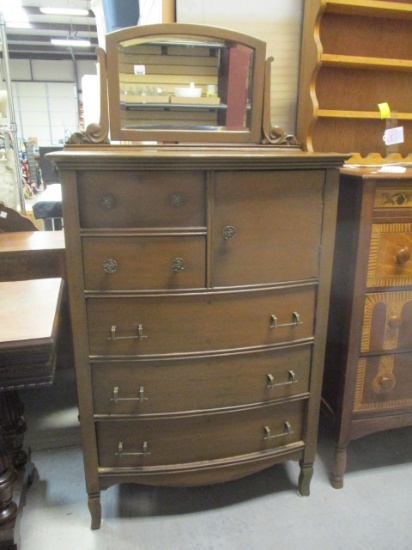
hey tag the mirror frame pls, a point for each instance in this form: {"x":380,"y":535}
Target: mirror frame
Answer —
{"x":110,"y":72}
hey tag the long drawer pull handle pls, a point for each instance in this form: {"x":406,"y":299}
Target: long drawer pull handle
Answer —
{"x":116,"y":397}
{"x":138,"y":336}
{"x":291,"y":376}
{"x":287,"y":431}
{"x":296,"y":321}
{"x":145,"y":450}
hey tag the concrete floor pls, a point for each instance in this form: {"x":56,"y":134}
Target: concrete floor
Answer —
{"x":372,"y":511}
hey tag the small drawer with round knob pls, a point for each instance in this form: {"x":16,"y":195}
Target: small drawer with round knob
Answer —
{"x":390,"y":262}
{"x":138,"y":263}
{"x":125,"y":199}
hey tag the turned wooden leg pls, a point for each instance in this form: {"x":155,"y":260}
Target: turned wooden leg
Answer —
{"x":8,"y":508}
{"x":339,"y":466}
{"x":13,"y":426}
{"x":306,"y":473}
{"x":95,"y":510}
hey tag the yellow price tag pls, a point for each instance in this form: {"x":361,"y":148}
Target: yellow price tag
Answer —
{"x":384,"y":110}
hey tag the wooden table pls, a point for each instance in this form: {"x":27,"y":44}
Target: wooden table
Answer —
{"x":32,"y":255}
{"x":39,"y":255}
{"x":29,"y":321}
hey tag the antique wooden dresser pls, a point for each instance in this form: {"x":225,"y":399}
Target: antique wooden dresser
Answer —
{"x":199,"y":280}
{"x":368,"y":374}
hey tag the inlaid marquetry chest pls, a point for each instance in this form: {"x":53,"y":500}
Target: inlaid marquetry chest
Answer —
{"x":368,"y":370}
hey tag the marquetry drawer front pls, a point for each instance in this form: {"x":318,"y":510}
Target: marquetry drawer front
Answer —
{"x":384,"y":382}
{"x":267,"y":226}
{"x":202,"y":384}
{"x":127,"y":263}
{"x":141,"y":199}
{"x":387,"y":323}
{"x":394,"y":198}
{"x":390,"y":262}
{"x":167,"y":441}
{"x":199,"y":322}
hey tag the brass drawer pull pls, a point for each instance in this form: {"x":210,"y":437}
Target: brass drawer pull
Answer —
{"x":145,"y":450}
{"x":178,"y":265}
{"x":291,"y":376}
{"x":229,"y":232}
{"x":110,"y":266}
{"x":296,"y":321}
{"x":138,"y":336}
{"x":403,"y":255}
{"x":116,"y":397}
{"x":287,"y":431}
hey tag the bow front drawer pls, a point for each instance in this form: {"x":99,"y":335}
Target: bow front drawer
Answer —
{"x":134,"y":443}
{"x":154,"y":324}
{"x":151,"y":387}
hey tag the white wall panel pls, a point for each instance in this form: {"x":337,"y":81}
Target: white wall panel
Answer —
{"x":276,"y":22}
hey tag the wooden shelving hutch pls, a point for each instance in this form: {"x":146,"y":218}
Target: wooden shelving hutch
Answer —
{"x":355,"y":55}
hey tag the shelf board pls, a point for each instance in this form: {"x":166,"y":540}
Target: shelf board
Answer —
{"x":173,"y":106}
{"x":373,"y":8}
{"x":361,"y":62}
{"x":329,"y":113}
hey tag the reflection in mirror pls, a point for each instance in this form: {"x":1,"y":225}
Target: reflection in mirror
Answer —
{"x":185,"y":83}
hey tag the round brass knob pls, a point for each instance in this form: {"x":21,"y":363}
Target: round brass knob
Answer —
{"x":107,"y":201}
{"x":178,"y":265}
{"x":176,"y":200}
{"x":395,"y":321}
{"x":110,"y":266}
{"x":229,"y":232}
{"x":403,"y":255}
{"x":384,"y":383}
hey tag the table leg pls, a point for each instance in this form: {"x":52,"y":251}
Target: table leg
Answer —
{"x":14,"y":470}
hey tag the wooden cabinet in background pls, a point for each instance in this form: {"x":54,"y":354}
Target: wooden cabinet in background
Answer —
{"x":355,"y":55}
{"x":199,"y":288}
{"x":368,"y":368}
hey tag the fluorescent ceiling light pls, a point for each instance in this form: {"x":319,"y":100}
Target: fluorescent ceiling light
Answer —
{"x":71,"y":42}
{"x":14,"y":16}
{"x":64,"y":11}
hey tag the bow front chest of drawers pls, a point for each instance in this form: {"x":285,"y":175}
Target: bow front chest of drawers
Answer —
{"x":199,"y":286}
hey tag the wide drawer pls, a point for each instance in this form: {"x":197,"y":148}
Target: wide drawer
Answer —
{"x":155,"y":387}
{"x":384,"y":383}
{"x":266,"y":226}
{"x":149,"y":325}
{"x":387,"y":323}
{"x":127,"y":263}
{"x":390,"y":262}
{"x":198,"y":438}
{"x":115,"y":199}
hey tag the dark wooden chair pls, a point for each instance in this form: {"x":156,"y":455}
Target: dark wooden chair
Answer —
{"x":11,"y":221}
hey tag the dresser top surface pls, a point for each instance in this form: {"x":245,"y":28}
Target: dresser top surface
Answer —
{"x":229,"y":157}
{"x":379,"y":172}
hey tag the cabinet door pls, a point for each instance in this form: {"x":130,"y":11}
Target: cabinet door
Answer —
{"x":267,"y":226}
